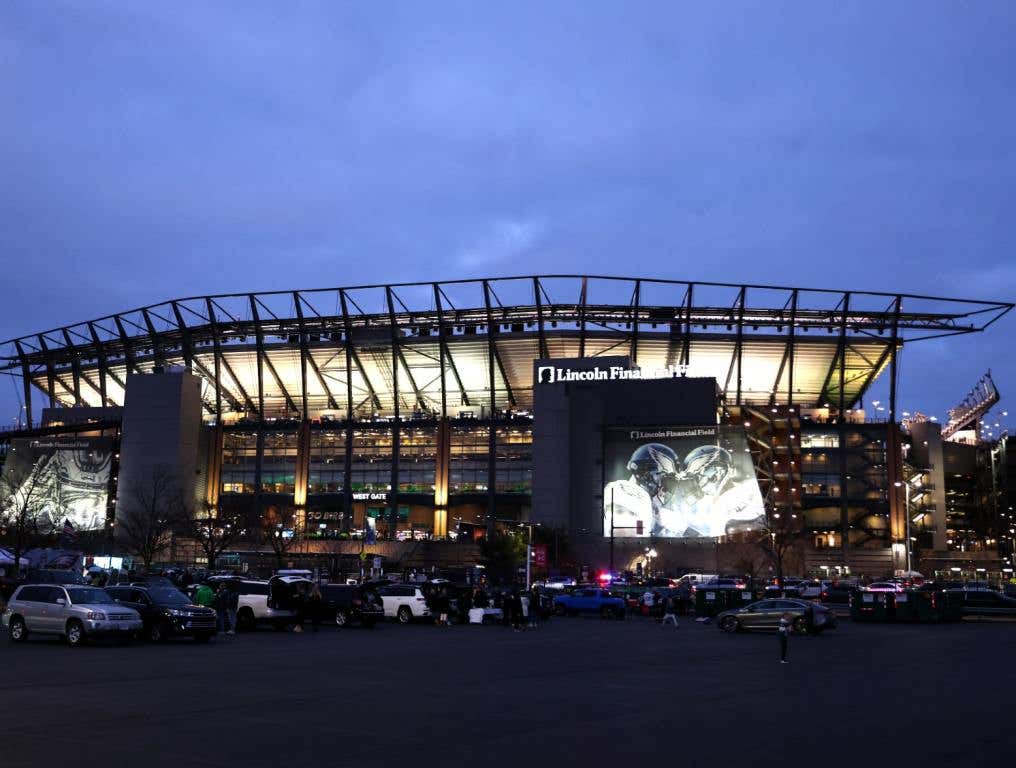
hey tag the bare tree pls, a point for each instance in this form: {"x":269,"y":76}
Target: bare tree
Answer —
{"x":155,"y":514}
{"x":215,"y":529}
{"x":745,"y":555}
{"x":780,"y":541}
{"x":282,"y":528}
{"x":23,"y":501}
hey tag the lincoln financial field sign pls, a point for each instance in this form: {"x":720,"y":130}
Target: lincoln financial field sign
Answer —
{"x":549,"y":374}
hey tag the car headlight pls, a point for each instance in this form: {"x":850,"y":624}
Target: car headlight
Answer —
{"x":96,"y":616}
{"x":173,"y":612}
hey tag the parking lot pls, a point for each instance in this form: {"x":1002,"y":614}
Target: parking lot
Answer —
{"x":600,"y":692}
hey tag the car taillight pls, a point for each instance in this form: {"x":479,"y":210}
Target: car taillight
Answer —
{"x":357,"y":602}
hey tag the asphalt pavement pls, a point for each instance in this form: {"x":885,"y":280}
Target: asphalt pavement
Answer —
{"x":576,"y":691}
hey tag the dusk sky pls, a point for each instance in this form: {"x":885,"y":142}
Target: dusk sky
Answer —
{"x":151,"y":150}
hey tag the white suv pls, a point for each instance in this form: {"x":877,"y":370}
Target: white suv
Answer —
{"x":252,"y":606}
{"x":73,"y":611}
{"x":404,"y":602}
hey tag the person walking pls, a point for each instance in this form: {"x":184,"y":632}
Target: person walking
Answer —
{"x":783,"y":632}
{"x":669,"y":612}
{"x":534,"y":607}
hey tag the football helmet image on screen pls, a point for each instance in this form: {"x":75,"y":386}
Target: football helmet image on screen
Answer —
{"x":680,"y":486}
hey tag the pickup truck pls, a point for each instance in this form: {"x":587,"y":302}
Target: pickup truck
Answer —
{"x":589,"y":600}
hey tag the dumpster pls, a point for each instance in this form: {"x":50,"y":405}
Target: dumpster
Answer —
{"x":871,"y":606}
{"x":709,"y":602}
{"x":948,"y":605}
{"x":904,"y":606}
{"x":923,"y":605}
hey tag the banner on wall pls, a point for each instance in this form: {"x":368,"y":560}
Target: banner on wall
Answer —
{"x":70,"y":476}
{"x":679,"y":482}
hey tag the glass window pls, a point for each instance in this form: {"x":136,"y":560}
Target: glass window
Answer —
{"x":32,"y":594}
{"x":820,"y":440}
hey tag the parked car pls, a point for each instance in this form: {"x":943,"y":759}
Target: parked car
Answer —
{"x":810,"y":589}
{"x":883,"y":586}
{"x":52,"y":576}
{"x":589,"y":600}
{"x":253,"y":606}
{"x":74,"y":612}
{"x":838,"y":593}
{"x":348,"y":603}
{"x":806,"y":617}
{"x":695,"y":578}
{"x":404,"y":602}
{"x":166,"y":611}
{"x":790,"y":588}
{"x":724,"y":582}
{"x":984,"y":602}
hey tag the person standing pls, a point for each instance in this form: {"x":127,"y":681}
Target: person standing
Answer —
{"x":783,"y":632}
{"x":204,"y":595}
{"x":647,"y":602}
{"x":221,"y":605}
{"x":534,"y":606}
{"x":232,"y":604}
{"x":669,"y":612}
{"x":314,"y":601}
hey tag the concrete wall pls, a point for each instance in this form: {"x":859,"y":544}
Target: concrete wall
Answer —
{"x":161,"y":427}
{"x":927,"y":451}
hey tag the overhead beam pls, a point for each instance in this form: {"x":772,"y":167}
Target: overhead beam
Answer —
{"x":541,"y":333}
{"x":446,"y":352}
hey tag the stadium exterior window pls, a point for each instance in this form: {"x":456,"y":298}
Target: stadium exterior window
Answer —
{"x":278,"y":470}
{"x":468,"y":459}
{"x":417,"y":460}
{"x":239,"y":462}
{"x":820,"y":440}
{"x":372,"y":459}
{"x":327,"y":461}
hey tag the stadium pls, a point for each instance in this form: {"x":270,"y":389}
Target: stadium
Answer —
{"x":415,"y":409}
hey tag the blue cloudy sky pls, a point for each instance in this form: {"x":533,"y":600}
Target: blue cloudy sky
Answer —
{"x":156,"y":149}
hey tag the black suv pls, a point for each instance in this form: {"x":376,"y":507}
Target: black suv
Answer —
{"x":166,"y":611}
{"x":346,"y":603}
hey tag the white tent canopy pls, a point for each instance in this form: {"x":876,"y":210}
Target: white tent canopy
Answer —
{"x":7,"y":557}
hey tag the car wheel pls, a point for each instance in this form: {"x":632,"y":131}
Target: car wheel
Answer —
{"x":75,"y":634}
{"x":341,"y":619}
{"x":404,"y":615}
{"x":156,"y":633}
{"x":730,"y":624}
{"x":18,"y":630}
{"x":800,"y":626}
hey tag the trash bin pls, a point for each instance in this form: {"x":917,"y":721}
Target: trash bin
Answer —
{"x":948,"y":605}
{"x":709,"y":602}
{"x":923,"y":606}
{"x":871,"y":606}
{"x":904,"y":606}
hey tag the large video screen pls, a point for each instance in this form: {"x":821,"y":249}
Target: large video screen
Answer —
{"x":679,"y":482}
{"x":70,"y":477}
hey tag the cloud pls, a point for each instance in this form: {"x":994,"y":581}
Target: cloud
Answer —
{"x":504,"y":239}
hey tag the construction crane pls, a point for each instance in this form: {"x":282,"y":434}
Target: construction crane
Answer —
{"x":975,"y":405}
